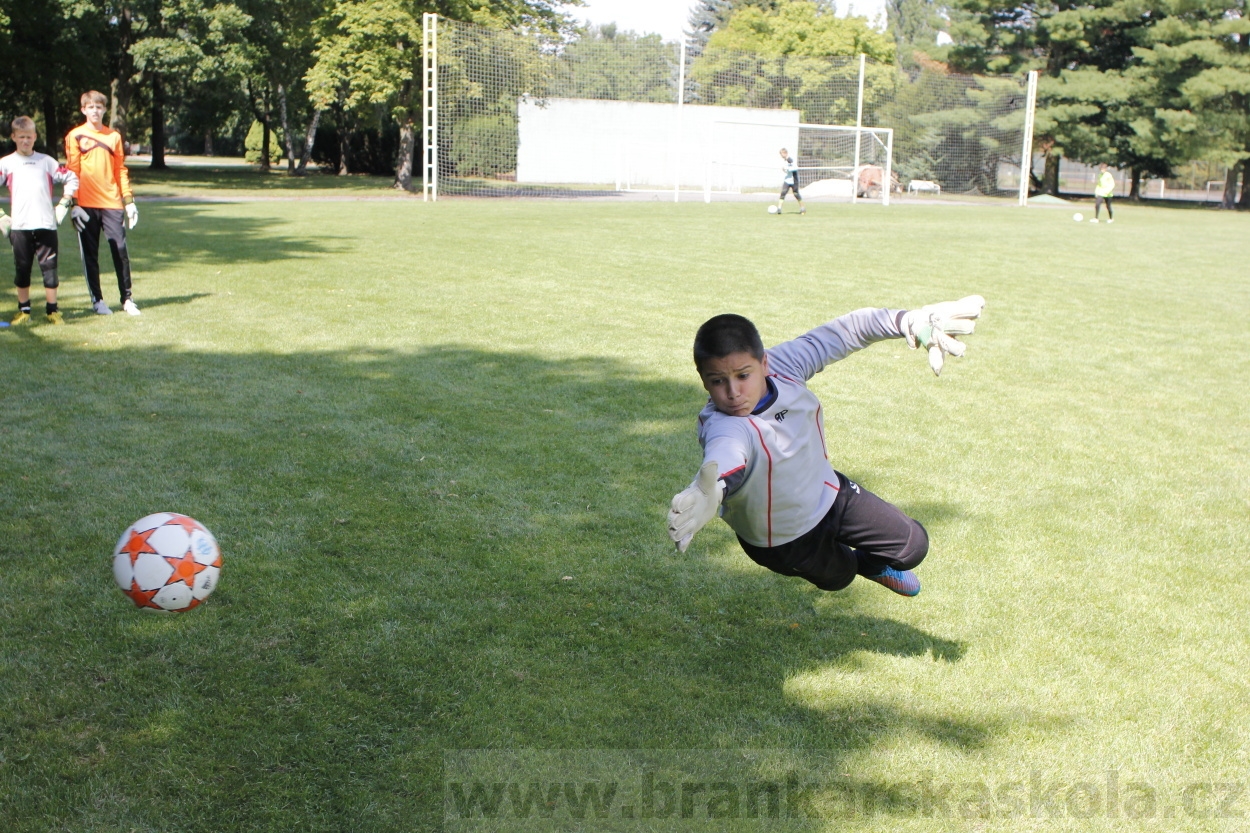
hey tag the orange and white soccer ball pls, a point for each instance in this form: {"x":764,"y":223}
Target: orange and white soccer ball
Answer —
{"x":167,"y":561}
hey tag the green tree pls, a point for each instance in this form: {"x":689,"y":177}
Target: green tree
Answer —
{"x":782,"y":59}
{"x":279,"y":52}
{"x":708,"y":16}
{"x":801,"y":28}
{"x":956,"y":130}
{"x":605,"y":63}
{"x":186,"y":48}
{"x":1103,"y":95}
{"x":1194,"y":80}
{"x":914,"y":25}
{"x":368,"y":56}
{"x":51,"y":51}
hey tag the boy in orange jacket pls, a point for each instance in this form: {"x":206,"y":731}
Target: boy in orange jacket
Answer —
{"x":97,"y":155}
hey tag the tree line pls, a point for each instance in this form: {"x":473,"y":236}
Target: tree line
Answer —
{"x":1144,"y":85}
{"x":195,"y":75}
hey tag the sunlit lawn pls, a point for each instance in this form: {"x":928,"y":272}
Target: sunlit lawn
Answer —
{"x":437,"y":442}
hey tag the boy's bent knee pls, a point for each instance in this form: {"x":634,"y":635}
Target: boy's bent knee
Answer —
{"x":917,"y":546}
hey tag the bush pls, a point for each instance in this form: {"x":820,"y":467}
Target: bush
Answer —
{"x":255,"y":138}
{"x":485,"y":146}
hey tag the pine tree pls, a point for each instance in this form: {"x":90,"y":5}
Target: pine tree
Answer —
{"x":1194,"y":81}
{"x":1088,"y":108}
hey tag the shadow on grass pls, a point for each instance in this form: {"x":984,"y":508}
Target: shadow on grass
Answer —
{"x":189,"y":233}
{"x":444,"y":549}
{"x":174,"y":300}
{"x":233,"y":178}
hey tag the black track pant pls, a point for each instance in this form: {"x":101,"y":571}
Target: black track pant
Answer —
{"x":112,"y":222}
{"x":861,"y":534}
{"x":31,"y":247}
{"x":1099,"y":202}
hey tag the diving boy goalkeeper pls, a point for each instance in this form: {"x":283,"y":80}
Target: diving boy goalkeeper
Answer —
{"x":765,"y":466}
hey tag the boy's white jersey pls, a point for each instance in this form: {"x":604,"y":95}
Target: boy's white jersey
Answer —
{"x":30,"y":180}
{"x":792,"y":171}
{"x":775,"y":463}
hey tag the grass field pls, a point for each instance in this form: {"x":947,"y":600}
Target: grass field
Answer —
{"x":437,"y":443}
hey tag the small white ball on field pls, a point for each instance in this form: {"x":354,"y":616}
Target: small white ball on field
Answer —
{"x":1078,"y":216}
{"x":772,"y":209}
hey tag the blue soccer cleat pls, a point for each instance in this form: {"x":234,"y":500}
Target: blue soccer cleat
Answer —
{"x":902,"y":582}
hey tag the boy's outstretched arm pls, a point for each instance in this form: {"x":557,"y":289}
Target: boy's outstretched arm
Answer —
{"x":933,"y":327}
{"x":695,"y":506}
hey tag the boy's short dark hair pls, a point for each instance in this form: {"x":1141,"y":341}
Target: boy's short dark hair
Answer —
{"x":725,"y":334}
{"x":22,"y":123}
{"x":92,"y":97}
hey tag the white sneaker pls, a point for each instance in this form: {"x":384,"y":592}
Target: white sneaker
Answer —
{"x":101,"y":308}
{"x":130,"y":307}
{"x":1110,"y":221}
{"x":1094,"y":220}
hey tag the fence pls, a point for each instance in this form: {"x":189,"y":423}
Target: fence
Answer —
{"x":509,"y":114}
{"x":1196,"y":182}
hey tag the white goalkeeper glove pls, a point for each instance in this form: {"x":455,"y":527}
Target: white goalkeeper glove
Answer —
{"x":6,"y":224}
{"x":933,"y":326}
{"x":132,"y":214}
{"x":62,"y":211}
{"x":694,"y":507}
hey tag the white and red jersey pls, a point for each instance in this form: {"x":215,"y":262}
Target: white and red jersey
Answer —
{"x":774,"y":462}
{"x":30,"y":180}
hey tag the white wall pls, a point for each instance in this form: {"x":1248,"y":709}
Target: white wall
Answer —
{"x":641,"y":145}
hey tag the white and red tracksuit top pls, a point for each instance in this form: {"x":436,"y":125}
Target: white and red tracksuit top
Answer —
{"x":774,"y":462}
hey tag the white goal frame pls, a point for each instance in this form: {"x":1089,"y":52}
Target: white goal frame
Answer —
{"x":722,"y":175}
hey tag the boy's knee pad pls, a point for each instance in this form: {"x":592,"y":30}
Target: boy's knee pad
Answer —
{"x":50,"y":280}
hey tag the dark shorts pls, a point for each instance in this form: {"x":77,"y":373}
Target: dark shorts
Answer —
{"x":787,"y":186}
{"x":34,"y":246}
{"x":859,"y":535}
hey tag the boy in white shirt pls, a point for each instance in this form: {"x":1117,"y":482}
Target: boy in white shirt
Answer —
{"x":765,"y":466}
{"x":31,"y":230}
{"x":790,"y":182}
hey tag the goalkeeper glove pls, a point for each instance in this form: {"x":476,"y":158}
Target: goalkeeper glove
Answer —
{"x":694,"y":507}
{"x":62,"y":210}
{"x":933,"y":326}
{"x":132,"y":214}
{"x":6,"y":223}
{"x":80,"y":217}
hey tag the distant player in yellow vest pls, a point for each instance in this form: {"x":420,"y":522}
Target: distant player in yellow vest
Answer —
{"x":1103,"y":189}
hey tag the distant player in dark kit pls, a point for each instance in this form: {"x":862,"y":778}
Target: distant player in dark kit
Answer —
{"x":766,"y":468}
{"x":106,"y":203}
{"x":30,"y":177}
{"x":790,"y":182}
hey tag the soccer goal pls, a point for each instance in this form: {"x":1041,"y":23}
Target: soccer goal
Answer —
{"x":841,"y":161}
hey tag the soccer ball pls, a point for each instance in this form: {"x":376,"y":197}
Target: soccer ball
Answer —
{"x":167,"y":561}
{"x":772,"y":209}
{"x":1078,"y":216}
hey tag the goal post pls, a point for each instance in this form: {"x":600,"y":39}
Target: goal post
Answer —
{"x":833,"y":160}
{"x":511,"y":113}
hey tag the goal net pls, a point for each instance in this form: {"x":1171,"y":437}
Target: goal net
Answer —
{"x":836,"y":161}
{"x":511,"y":114}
